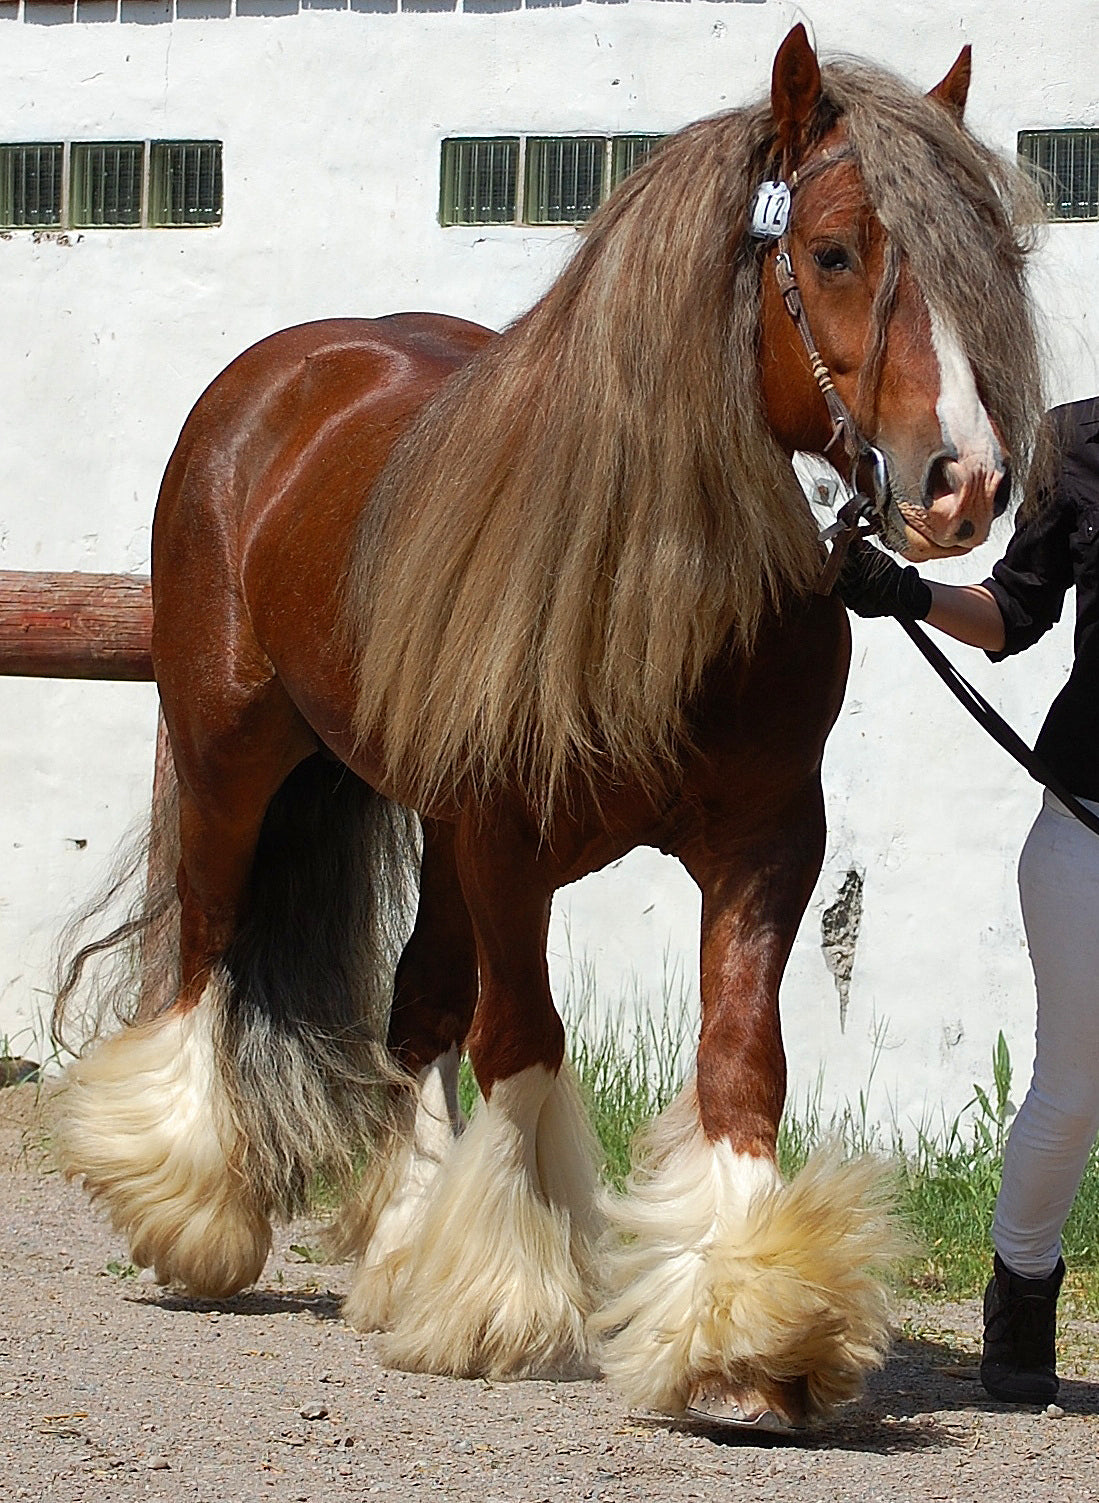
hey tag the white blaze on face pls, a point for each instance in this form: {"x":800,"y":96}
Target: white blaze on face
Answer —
{"x":963,"y":421}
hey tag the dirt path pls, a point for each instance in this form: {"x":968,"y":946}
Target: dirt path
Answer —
{"x":112,"y":1389}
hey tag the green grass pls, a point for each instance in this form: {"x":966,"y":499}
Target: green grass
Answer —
{"x":948,"y":1185}
{"x":947,"y":1178}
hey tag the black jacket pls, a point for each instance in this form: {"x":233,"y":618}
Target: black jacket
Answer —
{"x":1056,"y":549}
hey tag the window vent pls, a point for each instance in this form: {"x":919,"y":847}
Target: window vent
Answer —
{"x":534,"y":179}
{"x":110,"y":184}
{"x":564,"y":178}
{"x":479,"y":180}
{"x":30,"y":186}
{"x":1065,"y":164}
{"x":185,"y":183}
{"x":106,"y":184}
{"x":629,"y":152}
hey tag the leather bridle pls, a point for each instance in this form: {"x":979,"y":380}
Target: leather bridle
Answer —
{"x":871,"y":508}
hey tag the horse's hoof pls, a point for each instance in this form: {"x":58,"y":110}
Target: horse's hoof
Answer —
{"x":779,"y":1410}
{"x":731,"y":1414}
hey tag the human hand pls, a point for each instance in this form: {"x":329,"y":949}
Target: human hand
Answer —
{"x":871,"y":583}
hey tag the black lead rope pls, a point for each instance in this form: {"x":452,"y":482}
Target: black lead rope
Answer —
{"x":995,"y":724}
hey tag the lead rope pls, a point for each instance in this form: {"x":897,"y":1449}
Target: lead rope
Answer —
{"x":993,"y":722}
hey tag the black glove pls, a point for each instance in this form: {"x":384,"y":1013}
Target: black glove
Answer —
{"x":871,"y":583}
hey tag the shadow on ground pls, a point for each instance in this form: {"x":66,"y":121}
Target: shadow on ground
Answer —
{"x":908,"y":1407}
{"x":321,"y":1304}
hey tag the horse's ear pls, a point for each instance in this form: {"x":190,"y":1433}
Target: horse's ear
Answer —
{"x":953,"y":91}
{"x":795,"y":88}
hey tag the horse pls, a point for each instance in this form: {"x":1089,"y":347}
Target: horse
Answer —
{"x":453,"y":618}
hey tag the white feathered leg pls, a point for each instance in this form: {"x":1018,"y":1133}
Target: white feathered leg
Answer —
{"x":380,"y":1226}
{"x":724,"y":1281}
{"x":142,"y":1120}
{"x":500,"y":1267}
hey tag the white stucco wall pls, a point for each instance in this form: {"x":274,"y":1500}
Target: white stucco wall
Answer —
{"x":331,"y":118}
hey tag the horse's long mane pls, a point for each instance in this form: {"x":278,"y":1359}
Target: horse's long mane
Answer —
{"x":594,"y":508}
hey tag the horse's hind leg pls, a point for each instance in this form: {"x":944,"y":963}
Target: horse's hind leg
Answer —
{"x":737,"y":1297}
{"x":435,"y":992}
{"x":147,"y":1119}
{"x":498,"y":1282}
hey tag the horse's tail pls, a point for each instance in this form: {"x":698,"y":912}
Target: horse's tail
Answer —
{"x":131,"y":972}
{"x":194,"y":1125}
{"x":303,"y":994}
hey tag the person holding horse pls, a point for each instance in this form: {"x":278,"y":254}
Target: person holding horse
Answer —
{"x":1055,"y":546}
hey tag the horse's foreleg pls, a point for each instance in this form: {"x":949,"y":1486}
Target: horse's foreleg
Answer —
{"x":499,"y":1280}
{"x":735,"y":1296}
{"x":435,"y":992}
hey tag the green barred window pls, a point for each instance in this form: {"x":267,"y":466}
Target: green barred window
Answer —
{"x":185,"y":183}
{"x":534,"y":179}
{"x":479,"y":180}
{"x":110,"y":184}
{"x":628,"y":153}
{"x":106,"y":184}
{"x":1065,"y":164}
{"x":30,"y":185}
{"x":565,"y":178}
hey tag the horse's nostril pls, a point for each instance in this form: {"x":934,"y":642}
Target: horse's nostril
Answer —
{"x":936,"y":481}
{"x":965,"y":531}
{"x":1003,"y":493}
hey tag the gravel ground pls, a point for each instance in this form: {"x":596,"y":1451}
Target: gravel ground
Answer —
{"x":113,"y":1389}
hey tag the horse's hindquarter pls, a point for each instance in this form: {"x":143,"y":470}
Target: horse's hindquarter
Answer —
{"x":261,"y":499}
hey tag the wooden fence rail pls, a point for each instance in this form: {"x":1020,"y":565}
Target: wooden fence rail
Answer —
{"x":95,"y":626}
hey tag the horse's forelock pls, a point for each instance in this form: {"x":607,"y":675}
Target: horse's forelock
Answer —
{"x":965,"y":219}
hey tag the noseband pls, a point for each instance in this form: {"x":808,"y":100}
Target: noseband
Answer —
{"x":871,"y":508}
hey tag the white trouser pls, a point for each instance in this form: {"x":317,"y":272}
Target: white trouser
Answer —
{"x":1051,"y":1136}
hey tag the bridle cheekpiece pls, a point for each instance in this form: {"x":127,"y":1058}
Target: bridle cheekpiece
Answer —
{"x":871,"y":508}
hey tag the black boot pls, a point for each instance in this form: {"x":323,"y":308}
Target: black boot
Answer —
{"x":1019,"y":1362}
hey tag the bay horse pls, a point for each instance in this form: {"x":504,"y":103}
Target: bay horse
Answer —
{"x":553,"y":591}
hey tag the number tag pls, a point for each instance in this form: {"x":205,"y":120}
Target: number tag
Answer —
{"x":770,"y":211}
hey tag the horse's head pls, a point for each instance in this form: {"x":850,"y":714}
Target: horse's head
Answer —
{"x":896,"y":360}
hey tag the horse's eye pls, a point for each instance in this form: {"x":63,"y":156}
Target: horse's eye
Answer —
{"x":832,"y":258}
